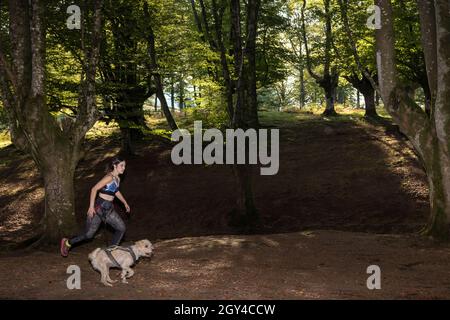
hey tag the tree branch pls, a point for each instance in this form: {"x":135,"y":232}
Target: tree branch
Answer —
{"x":352,"y":45}
{"x":38,"y":45}
{"x":427,"y":16}
{"x":442,"y":111}
{"x":88,"y":113}
{"x":218,"y":13}
{"x":413,"y":121}
{"x":305,"y":41}
{"x":19,"y":25}
{"x":197,"y":20}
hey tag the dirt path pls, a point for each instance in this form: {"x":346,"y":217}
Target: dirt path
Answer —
{"x":307,"y":265}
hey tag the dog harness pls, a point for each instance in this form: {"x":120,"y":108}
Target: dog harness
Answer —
{"x":128,"y":249}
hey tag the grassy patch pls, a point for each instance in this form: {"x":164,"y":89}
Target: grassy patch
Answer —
{"x":5,"y":139}
{"x":185,"y":120}
{"x":101,"y":130}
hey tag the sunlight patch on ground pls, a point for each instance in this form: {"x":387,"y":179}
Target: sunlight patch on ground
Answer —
{"x":22,"y":216}
{"x":4,"y":144}
{"x":185,"y":267}
{"x":194,"y":243}
{"x":5,"y":139}
{"x":11,"y":189}
{"x":309,"y":234}
{"x":101,"y":129}
{"x":398,"y":156}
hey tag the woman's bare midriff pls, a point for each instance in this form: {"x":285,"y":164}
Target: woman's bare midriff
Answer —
{"x":106,"y":197}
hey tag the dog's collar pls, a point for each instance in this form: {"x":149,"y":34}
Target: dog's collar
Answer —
{"x":128,"y":249}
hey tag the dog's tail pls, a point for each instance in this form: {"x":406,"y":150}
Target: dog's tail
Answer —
{"x":93,"y":254}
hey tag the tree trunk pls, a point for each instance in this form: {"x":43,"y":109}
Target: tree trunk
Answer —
{"x":364,"y":86}
{"x":55,"y":148}
{"x":329,"y":86}
{"x":172,"y":94}
{"x":245,"y":115}
{"x":430,"y":136}
{"x":129,"y":114}
{"x":218,"y":13}
{"x":358,"y":100}
{"x":17,"y":138}
{"x":245,"y":217}
{"x":329,"y":109}
{"x":441,"y":109}
{"x":428,"y":105}
{"x":127,"y":144}
{"x":329,"y":80}
{"x":163,"y":101}
{"x":428,"y":39}
{"x":369,"y":100}
{"x":438,"y":223}
{"x":253,"y":7}
{"x":153,"y":66}
{"x":302,"y":88}
{"x":181,"y":94}
{"x":59,"y":200}
{"x":428,"y":98}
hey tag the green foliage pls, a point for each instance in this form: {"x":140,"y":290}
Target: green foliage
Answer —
{"x":271,"y":56}
{"x":362,"y":36}
{"x":185,"y":60}
{"x":211,"y":108}
{"x":63,"y":78}
{"x":410,"y":58}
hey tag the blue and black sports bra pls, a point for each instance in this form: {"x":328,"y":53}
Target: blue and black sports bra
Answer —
{"x":110,"y":188}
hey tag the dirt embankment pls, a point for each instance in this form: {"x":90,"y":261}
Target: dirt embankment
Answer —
{"x":334,"y":175}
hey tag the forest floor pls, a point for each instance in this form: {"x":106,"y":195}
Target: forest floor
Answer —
{"x":349,"y":193}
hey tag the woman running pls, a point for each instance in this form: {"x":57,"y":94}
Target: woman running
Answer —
{"x":102,"y":208}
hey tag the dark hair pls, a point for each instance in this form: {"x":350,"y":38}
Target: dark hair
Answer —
{"x":111,"y":163}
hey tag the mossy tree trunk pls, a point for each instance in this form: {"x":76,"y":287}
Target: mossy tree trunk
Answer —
{"x":429,"y":134}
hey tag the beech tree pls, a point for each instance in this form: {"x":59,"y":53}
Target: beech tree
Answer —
{"x":430,"y":135}
{"x":330,"y":78}
{"x":360,"y":68}
{"x":55,"y":146}
{"x":238,"y":79}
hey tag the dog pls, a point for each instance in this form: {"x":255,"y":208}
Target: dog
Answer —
{"x":119,"y":257}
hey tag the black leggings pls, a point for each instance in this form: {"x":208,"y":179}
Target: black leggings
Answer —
{"x":104,"y":211}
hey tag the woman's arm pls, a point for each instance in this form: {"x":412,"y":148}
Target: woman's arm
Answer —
{"x":106,"y":179}
{"x":121,"y":198}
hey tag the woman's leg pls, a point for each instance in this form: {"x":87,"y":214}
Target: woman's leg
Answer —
{"x":92,"y":225}
{"x":114,"y":220}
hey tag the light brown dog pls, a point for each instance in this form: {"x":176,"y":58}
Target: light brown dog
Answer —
{"x":123,"y":258}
